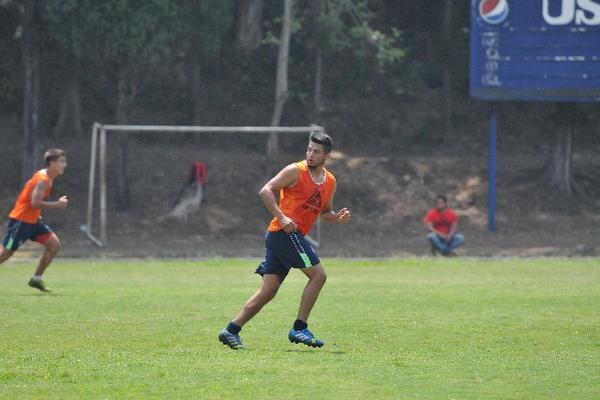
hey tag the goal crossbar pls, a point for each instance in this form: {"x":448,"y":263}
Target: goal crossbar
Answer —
{"x":98,"y":157}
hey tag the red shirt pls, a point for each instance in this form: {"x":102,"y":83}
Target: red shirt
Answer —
{"x":441,"y":220}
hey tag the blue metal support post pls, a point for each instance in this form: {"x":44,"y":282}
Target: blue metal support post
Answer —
{"x":492,"y":161}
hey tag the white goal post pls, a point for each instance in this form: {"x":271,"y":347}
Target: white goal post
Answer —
{"x":98,"y":156}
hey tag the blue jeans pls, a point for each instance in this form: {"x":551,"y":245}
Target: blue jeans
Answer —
{"x":444,"y":247}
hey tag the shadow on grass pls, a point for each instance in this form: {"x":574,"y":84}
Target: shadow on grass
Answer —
{"x":40,"y":294}
{"x":314,"y":351}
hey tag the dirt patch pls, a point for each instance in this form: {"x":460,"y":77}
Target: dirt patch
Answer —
{"x":388,"y":196}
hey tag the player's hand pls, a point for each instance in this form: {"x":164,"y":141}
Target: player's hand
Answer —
{"x":288,"y":225}
{"x":343,"y":216}
{"x":63,"y":202}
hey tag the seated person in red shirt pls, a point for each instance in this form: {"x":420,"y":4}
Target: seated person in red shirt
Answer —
{"x":442,"y":222}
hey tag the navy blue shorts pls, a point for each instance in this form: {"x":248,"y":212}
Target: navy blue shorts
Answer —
{"x":284,"y":251}
{"x":19,"y":232}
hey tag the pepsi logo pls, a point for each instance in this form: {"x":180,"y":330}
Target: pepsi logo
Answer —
{"x":493,"y":11}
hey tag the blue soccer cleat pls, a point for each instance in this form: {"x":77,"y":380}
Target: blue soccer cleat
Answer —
{"x":229,"y":339}
{"x":305,"y":337}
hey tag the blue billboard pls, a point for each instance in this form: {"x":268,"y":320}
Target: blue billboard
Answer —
{"x":538,"y":50}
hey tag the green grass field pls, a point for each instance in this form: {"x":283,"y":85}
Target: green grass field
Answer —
{"x":398,"y":329}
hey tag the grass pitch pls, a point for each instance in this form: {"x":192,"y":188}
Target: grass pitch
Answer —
{"x":398,"y":329}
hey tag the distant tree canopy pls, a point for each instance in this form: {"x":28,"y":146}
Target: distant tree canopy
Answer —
{"x":67,"y":63}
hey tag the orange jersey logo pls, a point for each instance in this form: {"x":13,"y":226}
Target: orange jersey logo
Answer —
{"x":22,"y":210}
{"x":304,"y":201}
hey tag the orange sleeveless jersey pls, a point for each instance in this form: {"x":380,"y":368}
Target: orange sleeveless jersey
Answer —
{"x":304,"y":201}
{"x":22,"y":210}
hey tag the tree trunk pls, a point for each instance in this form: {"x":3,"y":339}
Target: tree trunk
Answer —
{"x":196,"y":90}
{"x":123,"y":109}
{"x":558,"y":170}
{"x":69,"y":118}
{"x":33,"y":136}
{"x":281,"y":83}
{"x":318,"y":38}
{"x":249,"y":18}
{"x":318,"y":97}
{"x":446,"y":76}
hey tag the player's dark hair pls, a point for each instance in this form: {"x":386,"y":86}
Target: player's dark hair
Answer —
{"x":322,"y":139}
{"x":442,"y":197}
{"x":53,"y":155}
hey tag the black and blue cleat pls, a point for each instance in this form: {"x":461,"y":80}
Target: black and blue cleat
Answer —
{"x":305,"y":337}
{"x":229,"y":339}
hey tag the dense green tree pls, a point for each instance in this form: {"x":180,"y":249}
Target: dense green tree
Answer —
{"x":130,"y":38}
{"x":205,"y":28}
{"x":33,"y":133}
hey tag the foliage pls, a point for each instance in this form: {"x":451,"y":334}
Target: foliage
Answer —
{"x":10,"y":77}
{"x":205,"y":26}
{"x":136,"y":30}
{"x":347,"y":24}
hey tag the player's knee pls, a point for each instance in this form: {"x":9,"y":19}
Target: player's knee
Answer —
{"x":269,"y":292}
{"x":319,"y":276}
{"x":53,"y":244}
{"x":431,"y":236}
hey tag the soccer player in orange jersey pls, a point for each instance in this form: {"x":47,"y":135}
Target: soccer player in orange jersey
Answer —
{"x":306,"y":190}
{"x":25,"y":220}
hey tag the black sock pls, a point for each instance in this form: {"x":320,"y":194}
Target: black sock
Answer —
{"x":300,"y":325}
{"x":233,"y":328}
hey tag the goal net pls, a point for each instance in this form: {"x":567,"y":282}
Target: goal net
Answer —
{"x":108,"y":220}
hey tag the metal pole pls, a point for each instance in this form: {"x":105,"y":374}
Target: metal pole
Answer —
{"x":93,"y":151}
{"x":212,"y":129}
{"x":492,"y":161}
{"x":103,"y":235}
{"x":319,"y":232}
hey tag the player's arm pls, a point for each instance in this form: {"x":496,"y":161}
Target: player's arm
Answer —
{"x":37,"y":198}
{"x":285,"y":178}
{"x":452,"y":231}
{"x":432,"y":229}
{"x":329,"y":215}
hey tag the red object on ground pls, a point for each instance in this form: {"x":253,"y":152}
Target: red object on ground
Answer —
{"x":198,"y":173}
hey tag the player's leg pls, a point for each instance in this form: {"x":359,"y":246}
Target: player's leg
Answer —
{"x":266,"y":292}
{"x":51,"y":245}
{"x":268,"y":289}
{"x":299,"y":332}
{"x":5,"y":254}
{"x":304,"y":255}
{"x":273,"y":273}
{"x":316,"y":279}
{"x":11,"y":241}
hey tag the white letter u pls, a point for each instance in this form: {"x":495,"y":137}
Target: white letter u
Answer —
{"x":567,"y":13}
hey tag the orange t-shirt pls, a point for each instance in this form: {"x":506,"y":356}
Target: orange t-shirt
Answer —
{"x":304,"y":201}
{"x":22,"y":210}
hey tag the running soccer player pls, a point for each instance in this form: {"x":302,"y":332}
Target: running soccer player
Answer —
{"x":306,"y":190}
{"x":25,"y":220}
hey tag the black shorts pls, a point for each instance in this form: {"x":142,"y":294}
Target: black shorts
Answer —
{"x":284,"y":251}
{"x":19,"y":232}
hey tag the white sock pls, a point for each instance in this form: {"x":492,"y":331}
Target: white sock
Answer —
{"x":37,"y":278}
